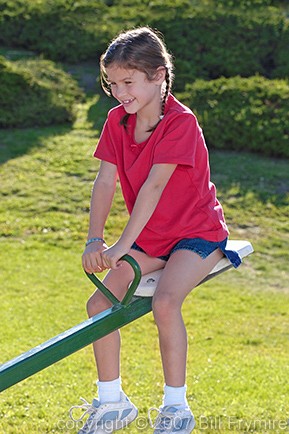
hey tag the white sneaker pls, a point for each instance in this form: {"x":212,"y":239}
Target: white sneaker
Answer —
{"x":173,"y":420}
{"x":105,"y":418}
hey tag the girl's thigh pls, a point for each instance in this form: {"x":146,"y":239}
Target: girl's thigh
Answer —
{"x":118,"y":280}
{"x":184,"y":271}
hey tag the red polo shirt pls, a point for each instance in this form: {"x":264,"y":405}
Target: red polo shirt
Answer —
{"x":188,"y":207}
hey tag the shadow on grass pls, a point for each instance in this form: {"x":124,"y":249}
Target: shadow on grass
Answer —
{"x":242,"y":179}
{"x":87,"y":76}
{"x":17,"y":142}
{"x":98,"y":112}
{"x":245,"y":178}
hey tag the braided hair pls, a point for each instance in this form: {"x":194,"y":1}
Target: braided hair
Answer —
{"x":144,"y":50}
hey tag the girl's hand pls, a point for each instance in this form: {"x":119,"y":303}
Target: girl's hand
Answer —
{"x":112,"y":255}
{"x":92,"y":261}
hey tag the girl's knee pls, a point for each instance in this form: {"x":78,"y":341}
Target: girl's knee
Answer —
{"x":164,"y":306}
{"x":117,"y":281}
{"x":97,"y":303}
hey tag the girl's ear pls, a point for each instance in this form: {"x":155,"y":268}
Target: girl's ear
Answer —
{"x":160,"y":75}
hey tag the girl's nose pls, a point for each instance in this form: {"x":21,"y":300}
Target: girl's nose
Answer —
{"x":119,"y":91}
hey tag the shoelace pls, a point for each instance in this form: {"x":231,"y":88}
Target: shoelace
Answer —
{"x":161,"y":421}
{"x":89,"y":409}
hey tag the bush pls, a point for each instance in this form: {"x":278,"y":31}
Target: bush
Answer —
{"x":35,"y":93}
{"x":242,"y":113}
{"x":244,"y":4}
{"x":213,"y":43}
{"x":208,"y":40}
{"x":282,"y":54}
{"x":61,"y":30}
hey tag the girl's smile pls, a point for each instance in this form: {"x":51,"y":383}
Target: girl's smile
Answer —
{"x":135,"y":92}
{"x":127,"y":102}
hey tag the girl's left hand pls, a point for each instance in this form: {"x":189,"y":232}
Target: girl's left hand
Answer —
{"x":112,"y":255}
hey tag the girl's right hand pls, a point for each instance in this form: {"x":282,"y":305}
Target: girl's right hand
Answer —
{"x":92,"y":259}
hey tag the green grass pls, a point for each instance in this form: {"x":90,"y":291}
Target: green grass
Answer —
{"x":238,"y":326}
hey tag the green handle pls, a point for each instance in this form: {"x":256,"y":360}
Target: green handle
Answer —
{"x":131,"y":290}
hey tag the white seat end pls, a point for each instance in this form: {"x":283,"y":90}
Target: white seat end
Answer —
{"x":150,"y":281}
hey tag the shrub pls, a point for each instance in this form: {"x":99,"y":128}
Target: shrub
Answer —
{"x":242,"y":113}
{"x":244,"y":4}
{"x":282,"y":54}
{"x":61,"y":30}
{"x":35,"y":93}
{"x":209,"y":39}
{"x":216,"y":42}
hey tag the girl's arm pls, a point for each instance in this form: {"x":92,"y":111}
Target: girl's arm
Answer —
{"x":101,"y":199}
{"x":146,"y":202}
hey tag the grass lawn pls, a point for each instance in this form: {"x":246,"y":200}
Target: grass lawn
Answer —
{"x":238,"y":323}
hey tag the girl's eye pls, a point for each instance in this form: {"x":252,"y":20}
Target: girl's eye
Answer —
{"x":128,"y":82}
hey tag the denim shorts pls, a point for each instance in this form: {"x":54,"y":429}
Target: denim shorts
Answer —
{"x":202,"y":247}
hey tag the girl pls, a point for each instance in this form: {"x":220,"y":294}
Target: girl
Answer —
{"x":155,"y":147}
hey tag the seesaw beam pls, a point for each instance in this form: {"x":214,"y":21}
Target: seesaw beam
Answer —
{"x":121,"y":313}
{"x":71,"y":341}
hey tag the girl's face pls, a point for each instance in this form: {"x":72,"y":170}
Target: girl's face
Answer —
{"x":134,"y":91}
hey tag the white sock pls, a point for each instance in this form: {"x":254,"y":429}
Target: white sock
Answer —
{"x":175,"y":396}
{"x":109,"y":391}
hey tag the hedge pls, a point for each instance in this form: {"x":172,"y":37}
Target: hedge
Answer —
{"x":35,"y":93}
{"x":237,"y":113}
{"x":207,"y":41}
{"x":227,"y":43}
{"x":61,"y":30}
{"x":282,"y":54}
{"x":244,"y":4}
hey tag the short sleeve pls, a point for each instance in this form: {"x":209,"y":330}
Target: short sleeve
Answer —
{"x":105,"y":149}
{"x":180,"y":140}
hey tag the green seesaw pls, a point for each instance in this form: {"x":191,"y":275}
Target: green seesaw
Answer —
{"x":136,"y":302}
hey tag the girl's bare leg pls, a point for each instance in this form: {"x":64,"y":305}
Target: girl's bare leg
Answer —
{"x":107,"y":349}
{"x":184,"y":270}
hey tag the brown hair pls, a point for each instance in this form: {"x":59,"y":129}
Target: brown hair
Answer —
{"x":142,"y":49}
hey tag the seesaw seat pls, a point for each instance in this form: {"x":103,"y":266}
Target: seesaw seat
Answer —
{"x":149,"y":282}
{"x":137,"y":302}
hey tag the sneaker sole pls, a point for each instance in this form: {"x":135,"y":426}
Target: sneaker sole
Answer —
{"x":127,"y":420}
{"x":190,"y":428}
